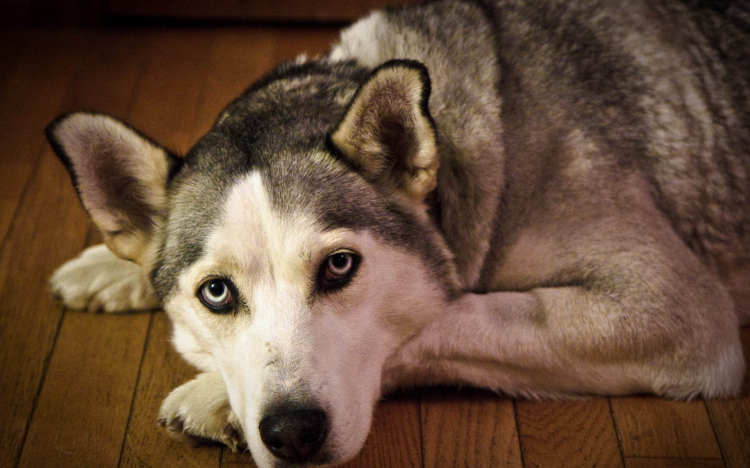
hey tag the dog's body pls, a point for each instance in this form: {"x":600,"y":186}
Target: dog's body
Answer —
{"x":545,"y":198}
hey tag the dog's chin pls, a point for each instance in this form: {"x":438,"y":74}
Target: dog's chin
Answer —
{"x":348,"y":440}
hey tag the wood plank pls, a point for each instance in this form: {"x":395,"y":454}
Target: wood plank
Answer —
{"x":468,"y":428}
{"x":238,"y":58}
{"x":167,"y":107}
{"x":29,"y":318}
{"x":48,"y":217}
{"x":116,"y":65}
{"x":83,"y":408}
{"x":31,"y":92}
{"x":237,"y":460}
{"x":35,"y":86}
{"x":7,"y":210}
{"x":672,"y":463}
{"x":168,"y":102}
{"x":241,"y":460}
{"x":15,"y":45}
{"x":567,"y":434}
{"x":10,"y":53}
{"x":731,"y":418}
{"x":653,"y":427}
{"x":394,"y":438}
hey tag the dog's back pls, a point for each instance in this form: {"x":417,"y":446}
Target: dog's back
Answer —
{"x":589,"y":91}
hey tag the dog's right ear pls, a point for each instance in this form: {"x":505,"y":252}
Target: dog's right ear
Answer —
{"x":120,"y":176}
{"x":387,"y":132}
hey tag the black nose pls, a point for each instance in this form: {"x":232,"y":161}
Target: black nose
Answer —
{"x":294,"y":435}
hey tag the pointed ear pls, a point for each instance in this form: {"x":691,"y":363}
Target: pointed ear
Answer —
{"x":120,"y":176}
{"x":387,"y":133}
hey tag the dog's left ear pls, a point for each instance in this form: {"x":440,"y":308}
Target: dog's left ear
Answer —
{"x":120,"y":176}
{"x":387,"y":133}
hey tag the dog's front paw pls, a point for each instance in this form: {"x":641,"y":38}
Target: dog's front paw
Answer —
{"x":198,"y":412}
{"x":98,"y":280}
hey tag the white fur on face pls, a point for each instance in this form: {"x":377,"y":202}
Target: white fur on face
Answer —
{"x":288,"y":340}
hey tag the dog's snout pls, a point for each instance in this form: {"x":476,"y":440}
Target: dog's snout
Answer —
{"x":294,"y":435}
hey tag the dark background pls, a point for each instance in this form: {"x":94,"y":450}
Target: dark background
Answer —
{"x":110,"y":12}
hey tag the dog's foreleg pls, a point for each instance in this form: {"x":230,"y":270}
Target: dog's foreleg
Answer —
{"x":198,"y":412}
{"x":571,"y":341}
{"x":98,"y":280}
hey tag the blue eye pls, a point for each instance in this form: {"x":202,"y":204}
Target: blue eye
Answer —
{"x":217,"y":294}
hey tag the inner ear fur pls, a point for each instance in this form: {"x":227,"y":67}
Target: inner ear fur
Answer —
{"x":120,"y":176}
{"x":387,"y":134}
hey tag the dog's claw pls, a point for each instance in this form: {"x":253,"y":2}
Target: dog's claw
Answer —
{"x":191,"y":416}
{"x":176,"y":425}
{"x":231,"y":438}
{"x":229,"y":431}
{"x":95,"y":305}
{"x":176,"y":429}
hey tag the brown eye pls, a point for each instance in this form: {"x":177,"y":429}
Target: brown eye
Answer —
{"x":217,"y":294}
{"x":339,"y":265}
{"x":337,"y":270}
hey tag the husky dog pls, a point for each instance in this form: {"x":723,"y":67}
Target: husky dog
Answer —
{"x":546,"y":198}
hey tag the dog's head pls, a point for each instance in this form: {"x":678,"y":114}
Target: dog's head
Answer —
{"x":292,"y":246}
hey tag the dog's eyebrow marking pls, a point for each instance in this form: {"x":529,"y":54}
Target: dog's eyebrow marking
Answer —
{"x":196,"y":206}
{"x":319,"y":185}
{"x":263,"y":245}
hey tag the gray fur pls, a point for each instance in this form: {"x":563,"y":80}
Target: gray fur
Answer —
{"x":573,"y":197}
{"x":665,"y":101}
{"x":638,"y":94}
{"x":644,"y":97}
{"x":307,"y":102}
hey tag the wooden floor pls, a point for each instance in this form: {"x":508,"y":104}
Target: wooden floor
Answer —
{"x":83,"y":390}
